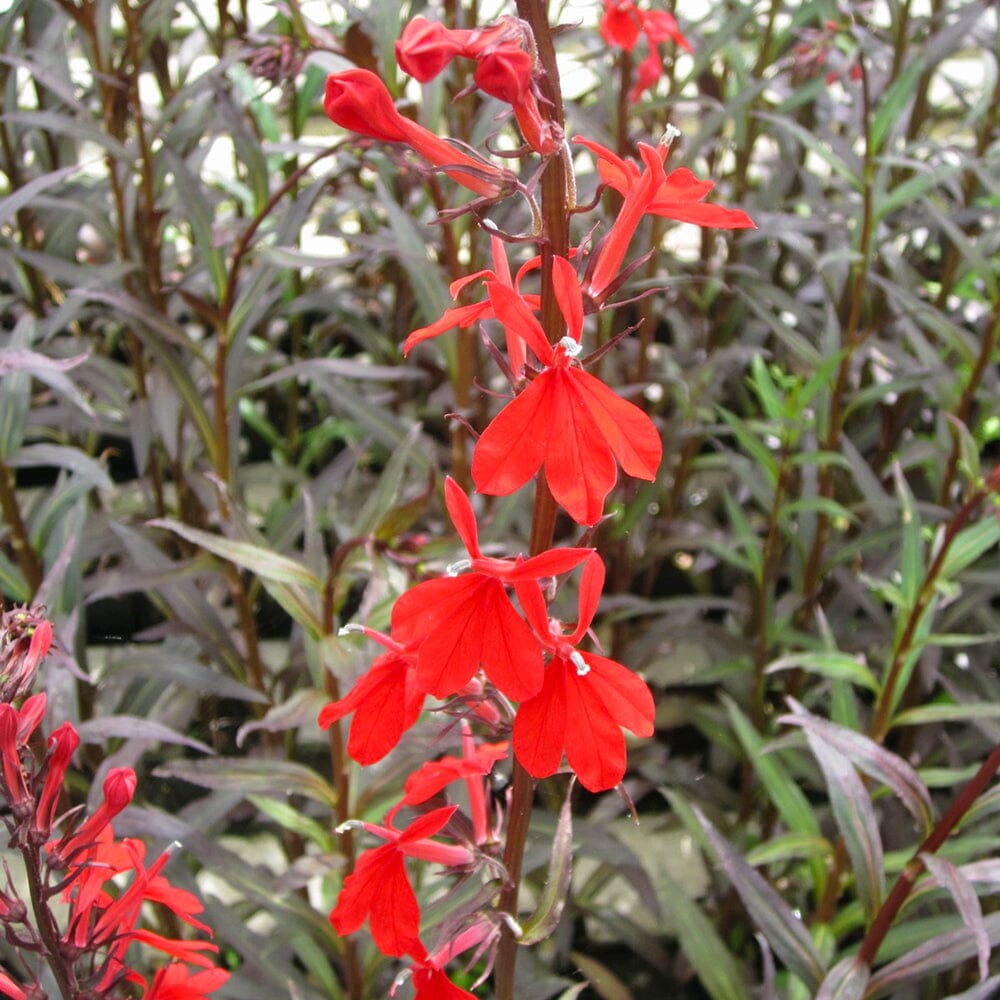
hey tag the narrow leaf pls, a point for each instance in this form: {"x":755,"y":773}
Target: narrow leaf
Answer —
{"x":543,"y":921}
{"x":845,"y":981}
{"x":251,"y":776}
{"x":966,"y":902}
{"x":784,"y":931}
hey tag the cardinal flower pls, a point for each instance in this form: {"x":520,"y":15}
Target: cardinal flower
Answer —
{"x":386,"y":701}
{"x":178,"y":982}
{"x":585,"y":699}
{"x":678,"y":195}
{"x":465,"y":316}
{"x":357,"y":100}
{"x":504,"y":68}
{"x":467,"y":620}
{"x":565,"y":420}
{"x":621,"y":25}
{"x":379,"y":891}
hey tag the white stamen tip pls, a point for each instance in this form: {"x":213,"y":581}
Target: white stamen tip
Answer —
{"x":458,"y":567}
{"x":349,"y":824}
{"x":670,"y":133}
{"x":515,"y":927}
{"x":570,"y":346}
{"x":348,"y":629}
{"x":582,"y":667}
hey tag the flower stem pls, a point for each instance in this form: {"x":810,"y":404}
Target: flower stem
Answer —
{"x":554,"y":240}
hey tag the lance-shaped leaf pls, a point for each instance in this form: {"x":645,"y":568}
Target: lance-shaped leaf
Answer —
{"x":855,"y":817}
{"x":784,"y":931}
{"x":945,"y":951}
{"x":870,"y":758}
{"x":845,"y":981}
{"x":543,"y":921}
{"x":966,"y":902}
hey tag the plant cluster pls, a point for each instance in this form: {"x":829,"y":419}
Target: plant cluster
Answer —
{"x":423,"y":491}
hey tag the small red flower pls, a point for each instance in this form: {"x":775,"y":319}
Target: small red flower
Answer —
{"x":178,"y":982}
{"x":379,"y":891}
{"x":621,"y":25}
{"x":357,"y":100}
{"x":466,"y":621}
{"x":386,"y":701}
{"x":678,"y":195}
{"x":504,"y":68}
{"x":585,"y":699}
{"x":565,"y":420}
{"x":465,"y":316}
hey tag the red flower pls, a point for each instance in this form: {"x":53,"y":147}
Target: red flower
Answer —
{"x":621,"y":24}
{"x":585,"y":699}
{"x":504,"y":69}
{"x":466,"y":621}
{"x":472,"y":766}
{"x":465,"y":316}
{"x":177,"y":982}
{"x":386,"y":701}
{"x":378,"y":890}
{"x":677,"y":195}
{"x":565,"y":419}
{"x":358,"y":100}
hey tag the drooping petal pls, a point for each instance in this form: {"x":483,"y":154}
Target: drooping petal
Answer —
{"x":386,"y":702}
{"x":461,"y":316}
{"x":512,"y":448}
{"x":623,"y":692}
{"x":595,"y":746}
{"x":628,"y":431}
{"x":579,"y":466}
{"x":433,"y":984}
{"x":541,"y":723}
{"x":378,"y":890}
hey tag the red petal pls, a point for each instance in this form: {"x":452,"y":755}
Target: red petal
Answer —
{"x":566,"y":286}
{"x":619,"y":26}
{"x":512,"y":448}
{"x":595,"y":747}
{"x":623,"y":693}
{"x":427,"y":825}
{"x":463,"y":316}
{"x":462,"y":516}
{"x":591,"y":586}
{"x":433,"y":984}
{"x":552,"y":562}
{"x":512,"y":310}
{"x":540,"y":725}
{"x":628,"y":431}
{"x":578,"y":463}
{"x":395,"y":915}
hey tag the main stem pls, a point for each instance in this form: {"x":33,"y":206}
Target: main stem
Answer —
{"x":554,"y":240}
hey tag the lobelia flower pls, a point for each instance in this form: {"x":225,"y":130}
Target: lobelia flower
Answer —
{"x":565,"y":420}
{"x":430,"y":981}
{"x":621,"y":25}
{"x":475,"y":763}
{"x":386,"y":701}
{"x":585,"y":699}
{"x":378,"y":889}
{"x":465,"y":621}
{"x":357,"y":100}
{"x":465,"y":316}
{"x":177,"y":982}
{"x":503,"y":68}
{"x":678,"y":195}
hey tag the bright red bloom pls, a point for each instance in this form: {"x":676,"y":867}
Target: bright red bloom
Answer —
{"x":565,"y":419}
{"x":357,"y":100}
{"x":62,"y":745}
{"x":466,"y":621}
{"x":386,"y":701}
{"x":621,"y":25}
{"x":379,"y":891}
{"x":585,"y":699}
{"x":678,"y":195}
{"x":504,"y":69}
{"x":475,"y":763}
{"x":119,"y":787}
{"x":465,"y":316}
{"x":178,"y":982}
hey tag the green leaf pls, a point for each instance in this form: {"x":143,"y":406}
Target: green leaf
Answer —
{"x":969,"y":544}
{"x":845,"y":981}
{"x":946,"y":712}
{"x":783,"y":930}
{"x":256,"y":776}
{"x":840,"y":666}
{"x":543,"y":921}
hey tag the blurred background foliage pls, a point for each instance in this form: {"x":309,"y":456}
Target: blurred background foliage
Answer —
{"x":212,"y":456}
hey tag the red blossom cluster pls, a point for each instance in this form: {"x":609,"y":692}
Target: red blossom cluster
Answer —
{"x":481,"y":639}
{"x":622,"y":24}
{"x":86,"y":887}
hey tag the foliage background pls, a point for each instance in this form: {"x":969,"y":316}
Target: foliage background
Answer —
{"x":212,"y":456}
